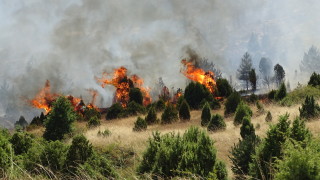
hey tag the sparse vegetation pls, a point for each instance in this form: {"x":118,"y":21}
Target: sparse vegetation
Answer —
{"x":140,"y":124}
{"x":105,"y":133}
{"x":93,"y":122}
{"x":299,"y":94}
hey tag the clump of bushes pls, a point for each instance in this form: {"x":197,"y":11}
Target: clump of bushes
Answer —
{"x":216,"y":123}
{"x":21,"y":142}
{"x":140,"y":124}
{"x":268,"y":117}
{"x":190,"y":155}
{"x":184,"y":111}
{"x":232,"y":103}
{"x":242,"y":111}
{"x":169,"y":115}
{"x":195,"y":93}
{"x":310,"y":108}
{"x":160,"y":105}
{"x":205,"y":115}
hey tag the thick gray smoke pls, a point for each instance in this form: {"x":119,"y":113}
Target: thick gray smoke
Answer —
{"x":70,"y":42}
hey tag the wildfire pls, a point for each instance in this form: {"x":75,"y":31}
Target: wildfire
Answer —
{"x":199,"y":75}
{"x":44,"y":99}
{"x":122,"y":82}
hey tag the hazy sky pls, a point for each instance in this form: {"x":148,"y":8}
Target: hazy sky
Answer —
{"x":70,"y":42}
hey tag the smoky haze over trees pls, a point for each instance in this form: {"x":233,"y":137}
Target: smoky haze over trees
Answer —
{"x":70,"y":42}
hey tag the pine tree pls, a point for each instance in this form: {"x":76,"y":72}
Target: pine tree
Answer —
{"x":205,"y":115}
{"x":151,"y":118}
{"x":247,"y":128}
{"x":184,"y":111}
{"x":245,"y":68}
{"x":216,"y":123}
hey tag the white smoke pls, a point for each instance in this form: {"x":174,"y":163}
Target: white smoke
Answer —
{"x":70,"y":42}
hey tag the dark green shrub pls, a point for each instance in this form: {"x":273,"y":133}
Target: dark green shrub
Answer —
{"x":93,"y":122}
{"x":169,"y":115}
{"x":299,"y":132}
{"x":247,"y":128}
{"x":216,"y":123}
{"x":91,"y":112}
{"x":151,"y":118}
{"x":220,"y":170}
{"x":171,"y":155}
{"x":132,"y":109}
{"x":205,"y":115}
{"x":59,"y":120}
{"x":140,"y":125}
{"x":5,"y":152}
{"x":38,"y":121}
{"x":54,"y":155}
{"x":272,"y":94}
{"x":268,"y":117}
{"x":184,"y":111}
{"x":79,"y":152}
{"x":135,"y":95}
{"x":270,"y":149}
{"x":195,"y":93}
{"x":104,"y":133}
{"x":281,"y":93}
{"x":224,"y":88}
{"x":241,"y":156}
{"x":314,"y":79}
{"x":21,"y":142}
{"x":310,"y":108}
{"x":160,"y":105}
{"x":242,"y":111}
{"x":232,"y":102}
{"x":114,"y":111}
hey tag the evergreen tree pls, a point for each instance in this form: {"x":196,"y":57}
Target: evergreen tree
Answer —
{"x":253,"y":79}
{"x":169,"y":115}
{"x":224,"y":88}
{"x":232,"y":103}
{"x":299,"y":132}
{"x":184,"y":111}
{"x":205,"y":115}
{"x":242,"y":111}
{"x":310,"y":108}
{"x":216,"y":123}
{"x":247,"y":128}
{"x":195,"y":93}
{"x":245,"y":68}
{"x":135,"y":95}
{"x":151,"y":118}
{"x":279,"y":74}
{"x":114,"y":111}
{"x":282,"y":92}
{"x":59,"y":120}
{"x":140,"y":124}
{"x":314,"y":79}
{"x":311,"y":60}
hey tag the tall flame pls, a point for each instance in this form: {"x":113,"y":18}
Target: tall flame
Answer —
{"x":122,"y":82}
{"x":199,"y":75}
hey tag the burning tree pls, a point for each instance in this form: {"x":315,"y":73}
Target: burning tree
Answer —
{"x":44,"y":99}
{"x":123,"y":83}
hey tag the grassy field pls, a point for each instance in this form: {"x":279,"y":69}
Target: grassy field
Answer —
{"x":123,"y":136}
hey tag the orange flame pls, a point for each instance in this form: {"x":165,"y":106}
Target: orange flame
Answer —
{"x":44,"y":99}
{"x":199,"y":75}
{"x":123,"y":83}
